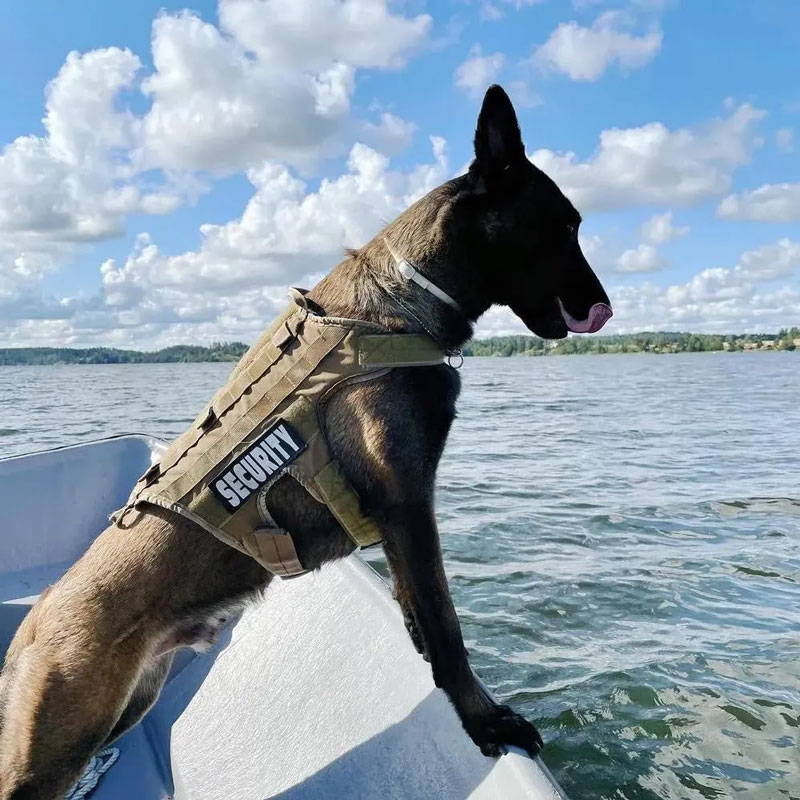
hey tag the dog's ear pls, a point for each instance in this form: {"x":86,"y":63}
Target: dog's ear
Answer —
{"x":498,"y":142}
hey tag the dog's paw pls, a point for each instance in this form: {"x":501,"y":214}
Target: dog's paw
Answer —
{"x":500,"y":726}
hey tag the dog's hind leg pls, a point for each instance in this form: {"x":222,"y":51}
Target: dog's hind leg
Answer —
{"x":60,"y":708}
{"x":144,"y":695}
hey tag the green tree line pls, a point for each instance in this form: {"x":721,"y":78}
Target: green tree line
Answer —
{"x":659,"y":342}
{"x":655,"y":342}
{"x":219,"y":351}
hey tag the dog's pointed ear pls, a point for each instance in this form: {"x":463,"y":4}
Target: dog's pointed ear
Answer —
{"x":498,"y":142}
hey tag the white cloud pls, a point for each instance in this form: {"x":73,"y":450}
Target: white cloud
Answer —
{"x":652,"y":164}
{"x":770,"y":261}
{"x":703,"y":305}
{"x":784,"y":140}
{"x":718,"y":299}
{"x":391,"y":135}
{"x":644,"y":258}
{"x":772,"y":202}
{"x":273,"y":81}
{"x":235,"y":282}
{"x":660,"y":230}
{"x":493,"y":11}
{"x":76,"y":183}
{"x":285,"y":233}
{"x":478,"y":72}
{"x":522,"y":95}
{"x":584,"y":54}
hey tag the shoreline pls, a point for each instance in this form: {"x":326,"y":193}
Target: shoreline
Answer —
{"x":550,"y":354}
{"x":660,"y":343}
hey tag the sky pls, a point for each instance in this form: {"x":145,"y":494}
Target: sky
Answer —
{"x":168,"y":171}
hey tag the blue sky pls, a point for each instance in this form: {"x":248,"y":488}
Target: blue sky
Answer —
{"x":168,"y":180}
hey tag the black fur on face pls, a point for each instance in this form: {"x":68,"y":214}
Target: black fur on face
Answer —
{"x":527,"y":230}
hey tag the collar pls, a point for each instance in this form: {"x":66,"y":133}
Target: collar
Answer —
{"x":409,"y":272}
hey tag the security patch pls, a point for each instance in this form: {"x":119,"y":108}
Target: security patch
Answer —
{"x":270,"y":454}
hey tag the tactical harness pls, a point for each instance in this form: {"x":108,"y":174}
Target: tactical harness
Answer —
{"x":268,"y":421}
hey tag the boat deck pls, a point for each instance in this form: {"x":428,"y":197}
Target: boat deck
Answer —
{"x":315,"y":693}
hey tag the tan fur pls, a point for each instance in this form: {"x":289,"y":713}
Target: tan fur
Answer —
{"x":77,"y":658}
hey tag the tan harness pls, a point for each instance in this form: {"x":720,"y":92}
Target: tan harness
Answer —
{"x":266,"y":422}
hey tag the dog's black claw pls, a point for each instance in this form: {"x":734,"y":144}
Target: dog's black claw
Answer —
{"x":502,"y":726}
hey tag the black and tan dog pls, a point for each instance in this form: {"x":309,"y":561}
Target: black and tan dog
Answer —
{"x":91,"y":656}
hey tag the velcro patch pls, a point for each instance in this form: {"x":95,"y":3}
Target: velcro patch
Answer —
{"x":270,"y":454}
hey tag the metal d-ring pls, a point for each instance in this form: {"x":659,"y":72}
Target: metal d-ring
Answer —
{"x":452,"y":356}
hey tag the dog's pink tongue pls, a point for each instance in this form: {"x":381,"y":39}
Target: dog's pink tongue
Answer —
{"x":599,"y":314}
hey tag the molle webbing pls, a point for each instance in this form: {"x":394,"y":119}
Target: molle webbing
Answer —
{"x":266,"y":422}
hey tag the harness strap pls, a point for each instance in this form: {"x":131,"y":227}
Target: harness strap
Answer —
{"x":274,"y":549}
{"x":398,"y":350}
{"x":289,"y":373}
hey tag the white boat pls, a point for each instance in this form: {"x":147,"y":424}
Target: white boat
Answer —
{"x":254,"y":718}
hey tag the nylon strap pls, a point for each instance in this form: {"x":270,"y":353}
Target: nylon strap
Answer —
{"x":287,"y":374}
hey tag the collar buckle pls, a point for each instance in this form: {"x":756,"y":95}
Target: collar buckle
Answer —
{"x":405,"y":269}
{"x":410,"y":273}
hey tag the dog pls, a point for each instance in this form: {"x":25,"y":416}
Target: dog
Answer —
{"x":92,"y":655}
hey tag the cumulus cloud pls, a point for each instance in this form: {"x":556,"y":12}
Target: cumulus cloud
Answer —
{"x":770,"y":261}
{"x":653,"y":164}
{"x":285,"y":232}
{"x":659,"y":229}
{"x":267,"y":91}
{"x":233,"y":284}
{"x":76,"y":183}
{"x":772,"y":202}
{"x":718,"y":299}
{"x":493,"y":10}
{"x":391,"y":135}
{"x":584,"y":54}
{"x":644,"y":258}
{"x":479,"y":71}
{"x":274,"y":80}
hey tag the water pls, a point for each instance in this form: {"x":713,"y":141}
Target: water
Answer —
{"x":622,"y":538}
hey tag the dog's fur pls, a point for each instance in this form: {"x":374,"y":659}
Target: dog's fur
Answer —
{"x":91,"y":657}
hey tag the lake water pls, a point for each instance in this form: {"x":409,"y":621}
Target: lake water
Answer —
{"x":622,"y":538}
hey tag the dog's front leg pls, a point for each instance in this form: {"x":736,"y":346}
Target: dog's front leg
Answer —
{"x":411,"y":542}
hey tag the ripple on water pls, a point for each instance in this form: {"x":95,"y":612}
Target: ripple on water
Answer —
{"x":622,"y":536}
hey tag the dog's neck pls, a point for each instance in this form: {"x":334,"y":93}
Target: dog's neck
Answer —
{"x":360,"y":288}
{"x":368,"y":286}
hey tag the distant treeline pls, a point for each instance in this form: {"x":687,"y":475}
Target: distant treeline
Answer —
{"x":219,"y":351}
{"x":786,"y":339}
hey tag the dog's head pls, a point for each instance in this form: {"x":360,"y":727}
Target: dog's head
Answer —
{"x":528,"y":232}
